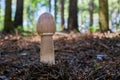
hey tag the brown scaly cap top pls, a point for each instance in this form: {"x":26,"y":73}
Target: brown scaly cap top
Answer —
{"x":46,"y":24}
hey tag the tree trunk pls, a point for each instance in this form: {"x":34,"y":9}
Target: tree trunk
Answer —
{"x":91,"y":12}
{"x":103,"y":15}
{"x":73,"y":18}
{"x":0,"y":6}
{"x":49,"y":5}
{"x":8,"y":20}
{"x":18,"y":21}
{"x":62,"y":14}
{"x":0,"y":10}
{"x":55,"y":9}
{"x":118,"y":6}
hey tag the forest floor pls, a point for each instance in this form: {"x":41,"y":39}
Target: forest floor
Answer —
{"x":78,"y":57}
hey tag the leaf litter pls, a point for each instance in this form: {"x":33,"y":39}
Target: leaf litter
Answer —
{"x":78,"y":56}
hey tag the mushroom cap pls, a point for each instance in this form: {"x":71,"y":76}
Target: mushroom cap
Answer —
{"x":46,"y":24}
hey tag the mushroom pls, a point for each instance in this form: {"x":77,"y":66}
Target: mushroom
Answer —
{"x":46,"y":27}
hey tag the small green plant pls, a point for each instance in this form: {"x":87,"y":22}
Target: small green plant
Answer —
{"x":96,"y":64}
{"x":19,"y":29}
{"x":92,"y":29}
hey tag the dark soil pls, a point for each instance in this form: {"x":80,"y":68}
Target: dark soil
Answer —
{"x":78,"y":57}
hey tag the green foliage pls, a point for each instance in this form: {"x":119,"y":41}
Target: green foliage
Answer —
{"x":1,"y":23}
{"x":97,"y":27}
{"x":33,"y":7}
{"x":96,"y":6}
{"x":94,"y":29}
{"x":19,"y":29}
{"x":96,"y":64}
{"x":1,"y":27}
{"x":113,"y":5}
{"x":26,"y":34}
{"x":83,"y":4}
{"x":22,"y":31}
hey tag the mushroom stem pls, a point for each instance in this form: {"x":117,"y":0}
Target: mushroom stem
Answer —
{"x":47,"y":50}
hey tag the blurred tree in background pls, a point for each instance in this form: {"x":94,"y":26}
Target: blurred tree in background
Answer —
{"x":103,"y":15}
{"x":8,"y":27}
{"x":49,"y":5}
{"x":62,"y":13}
{"x":55,"y":9}
{"x":85,"y":15}
{"x":73,"y":17}
{"x":91,"y":11}
{"x":18,"y":21}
